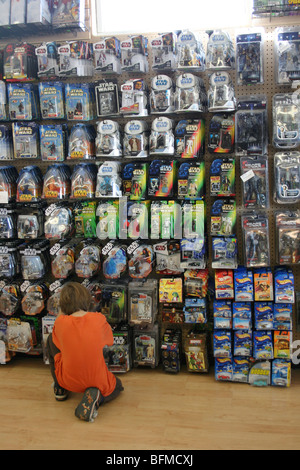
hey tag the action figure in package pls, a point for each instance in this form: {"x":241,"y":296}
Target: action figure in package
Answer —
{"x":134,"y":98}
{"x":134,"y":54}
{"x":8,"y":186}
{"x":107,"y":98}
{"x":57,"y":182}
{"x":82,"y":142}
{"x":22,"y":102}
{"x":80,"y":102}
{"x":53,"y":142}
{"x":3,"y":102}
{"x":220,"y":51}
{"x":255,"y":178}
{"x":34,"y":260}
{"x":190,"y":94}
{"x":8,"y":221}
{"x":191,"y":180}
{"x":30,"y":224}
{"x":162,"y":95}
{"x":189,"y":138}
{"x":9,"y":298}
{"x":107,"y":56}
{"x":83,"y":181}
{"x":251,"y":126}
{"x":256,"y":240}
{"x":107,"y":214}
{"x":34,"y":299}
{"x":108,"y":140}
{"x":249,"y":57}
{"x":134,"y":223}
{"x":161,"y":178}
{"x":135,"y":178}
{"x":287,"y":177}
{"x":19,"y":61}
{"x":76,"y":59}
{"x":288,"y":237}
{"x":62,"y":259}
{"x":222,"y":177}
{"x":221,"y":95}
{"x":221,"y":135}
{"x":286,"y":129}
{"x":84,"y":215}
{"x":191,"y":54}
{"x":115,"y":260}
{"x":29,"y":184}
{"x":68,"y":13}
{"x":166,"y":220}
{"x":223,"y":218}
{"x":88,"y":260}
{"x":161,"y":140}
{"x":164,"y":52}
{"x":168,"y":258}
{"x":140,"y":260}
{"x":224,"y":252}
{"x":109,"y":181}
{"x":287,"y":44}
{"x":113,"y":301}
{"x":58,"y":222}
{"x":135,"y":142}
{"x":52,"y":100}
{"x":26,"y":140}
{"x":142,"y":302}
{"x":47,"y":58}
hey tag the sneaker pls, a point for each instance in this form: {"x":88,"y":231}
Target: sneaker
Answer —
{"x":60,"y":393}
{"x":87,"y":408}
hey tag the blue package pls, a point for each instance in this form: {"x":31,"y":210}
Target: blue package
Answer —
{"x":264,"y":315}
{"x":224,"y":253}
{"x":222,"y":311}
{"x":283,"y":317}
{"x":242,"y":315}
{"x":241,"y":366}
{"x":23,"y":102}
{"x":195,"y":310}
{"x":243,"y":285}
{"x":223,"y":369}
{"x":53,"y":140}
{"x":263,"y":345}
{"x":281,"y":373}
{"x":242,"y":343}
{"x":52,"y":103}
{"x":284,"y":286}
{"x":222,"y":343}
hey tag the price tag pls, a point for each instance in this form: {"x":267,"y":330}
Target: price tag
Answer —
{"x":247,"y":176}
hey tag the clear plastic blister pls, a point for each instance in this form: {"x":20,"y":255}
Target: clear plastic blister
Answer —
{"x":288,"y":237}
{"x":249,"y":57}
{"x":220,"y":51}
{"x":109,"y":181}
{"x":191,"y":53}
{"x":190,"y":94}
{"x":108,"y":140}
{"x":255,"y":182}
{"x":142,"y":302}
{"x":135,"y":141}
{"x":256,"y":240}
{"x":287,"y":177}
{"x":251,"y":129}
{"x":287,"y":47}
{"x":286,"y":119}
{"x":162,"y":137}
{"x":221,"y":94}
{"x":162,"y":95}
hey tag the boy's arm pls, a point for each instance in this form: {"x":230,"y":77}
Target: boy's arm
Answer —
{"x":108,"y":337}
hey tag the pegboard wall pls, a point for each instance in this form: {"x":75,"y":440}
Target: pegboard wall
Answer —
{"x":269,"y":88}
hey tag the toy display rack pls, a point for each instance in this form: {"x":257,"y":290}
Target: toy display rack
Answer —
{"x":269,"y":88}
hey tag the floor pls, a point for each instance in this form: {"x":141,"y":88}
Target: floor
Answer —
{"x":156,"y":411}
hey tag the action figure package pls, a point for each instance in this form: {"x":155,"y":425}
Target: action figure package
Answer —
{"x":284,"y":285}
{"x":135,"y":141}
{"x":164,"y":52}
{"x":287,"y":43}
{"x":220,"y":51}
{"x":88,"y":259}
{"x":22,"y":102}
{"x":34,"y":260}
{"x":34,"y":298}
{"x":62,"y":259}
{"x":162,"y":95}
{"x":223,"y":218}
{"x":287,"y":177}
{"x":191,"y":53}
{"x":114,"y":260}
{"x":135,"y":178}
{"x":52,"y":99}
{"x":19,"y":336}
{"x":109,"y":181}
{"x":47,"y":58}
{"x":190,"y":94}
{"x":161,"y":178}
{"x":68,"y":14}
{"x":29,"y":184}
{"x":255,"y":182}
{"x":9,"y":298}
{"x":195,"y":311}
{"x":243,"y":285}
{"x":84,"y":215}
{"x":193,"y":253}
{"x":161,"y":141}
{"x":108,"y":140}
{"x":57,"y":182}
{"x":168,"y":258}
{"x":263,"y":285}
{"x":191,"y":181}
{"x":19,"y":62}
{"x":8,"y":185}
{"x":251,"y":126}
{"x":134,"y":54}
{"x":53,"y":142}
{"x":249,"y":57}
{"x":107,"y":98}
{"x":224,"y":284}
{"x":9,"y":260}
{"x":118,"y":357}
{"x":196,"y":353}
{"x":107,"y":214}
{"x":288,"y":237}
{"x":222,"y":177}
{"x":171,"y":290}
{"x":8,"y":221}
{"x":146,"y":346}
{"x":83,"y":181}
{"x":171,"y":350}
{"x":142,"y":302}
{"x":26,"y":140}
{"x":256,"y":240}
{"x":58,"y":222}
{"x":166,"y":220}
{"x":134,"y":221}
{"x":141,"y":258}
{"x":6,"y":143}
{"x":76,"y":59}
{"x":107,"y":56}
{"x":80,"y":102}
{"x":286,"y":128}
{"x":134,"y":98}
{"x":221,"y":94}
{"x":82,"y":142}
{"x":30,"y":222}
{"x":224,"y":253}
{"x":190,"y":138}
{"x":3,"y":102}
{"x":221,"y":136}
{"x":194,"y":217}
{"x":53,"y":307}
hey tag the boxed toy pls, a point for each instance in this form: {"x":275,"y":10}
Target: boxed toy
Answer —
{"x":164,"y":52}
{"x":146,"y":346}
{"x":168,"y":258}
{"x":69,"y":14}
{"x":107,"y":214}
{"x":53,"y":142}
{"x":195,"y":311}
{"x":223,"y":218}
{"x":134,"y":98}
{"x":241,"y":366}
{"x":107,"y":98}
{"x":191,"y":54}
{"x":107,"y":56}
{"x":171,"y":350}
{"x":19,"y":62}
{"x":190,"y":94}
{"x":221,"y":136}
{"x":134,"y":54}
{"x":222,"y":311}
{"x":161,"y":178}
{"x":161,"y":141}
{"x":162,"y":95}
{"x":135,"y":178}
{"x":135,"y":142}
{"x":242,"y":343}
{"x":80,"y":102}
{"x":26,"y":140}
{"x":171,"y":290}
{"x":224,"y":253}
{"x":263,"y":345}
{"x":283,"y":317}
{"x":260,"y":374}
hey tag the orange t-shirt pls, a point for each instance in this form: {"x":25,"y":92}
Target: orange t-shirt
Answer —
{"x":80,"y":363}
